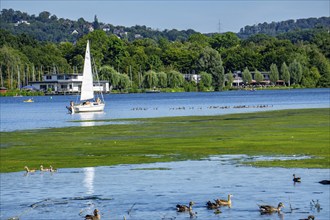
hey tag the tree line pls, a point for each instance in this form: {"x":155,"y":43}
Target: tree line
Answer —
{"x":277,"y":28}
{"x":48,"y":27}
{"x":162,"y":63}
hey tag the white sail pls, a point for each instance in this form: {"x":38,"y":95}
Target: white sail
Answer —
{"x":87,"y":79}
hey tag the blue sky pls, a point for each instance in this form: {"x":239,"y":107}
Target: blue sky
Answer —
{"x":202,"y":16}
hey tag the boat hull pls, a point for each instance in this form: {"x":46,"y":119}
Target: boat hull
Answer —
{"x":88,"y":108}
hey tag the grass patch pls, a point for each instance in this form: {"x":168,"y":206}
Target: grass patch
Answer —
{"x":285,"y":132}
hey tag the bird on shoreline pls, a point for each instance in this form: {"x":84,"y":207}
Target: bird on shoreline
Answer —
{"x":28,"y":170}
{"x":184,"y":208}
{"x":44,"y":169}
{"x":296,"y":179}
{"x":52,"y":169}
{"x":267,"y":209}
{"x":96,"y":215}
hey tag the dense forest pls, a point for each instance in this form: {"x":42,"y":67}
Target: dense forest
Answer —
{"x":47,"y":27}
{"x":276,"y":28}
{"x":300,"y":57}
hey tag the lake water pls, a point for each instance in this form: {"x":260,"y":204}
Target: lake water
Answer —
{"x":49,"y":111}
{"x":151,"y":191}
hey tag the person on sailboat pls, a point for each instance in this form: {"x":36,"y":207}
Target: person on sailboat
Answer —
{"x":98,"y":100}
{"x":70,"y":108}
{"x":87,"y":103}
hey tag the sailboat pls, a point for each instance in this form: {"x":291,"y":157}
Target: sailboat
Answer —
{"x":88,"y":103}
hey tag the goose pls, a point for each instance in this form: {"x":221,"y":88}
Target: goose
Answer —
{"x":296,"y":179}
{"x":184,"y":208}
{"x":310,"y":217}
{"x":52,"y":169}
{"x":270,"y":209}
{"x":224,"y":202}
{"x":28,"y":170}
{"x":212,"y":205}
{"x":96,"y":215}
{"x":43,"y":169}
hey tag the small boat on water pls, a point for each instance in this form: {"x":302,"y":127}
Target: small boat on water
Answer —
{"x":88,"y":101}
{"x":17,"y":96}
{"x":153,"y":91}
{"x":28,"y":100}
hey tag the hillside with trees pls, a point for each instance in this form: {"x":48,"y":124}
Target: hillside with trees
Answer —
{"x":47,"y":27}
{"x":299,"y":59}
{"x":276,"y":28}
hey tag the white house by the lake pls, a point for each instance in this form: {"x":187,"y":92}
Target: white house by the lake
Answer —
{"x":66,"y":83}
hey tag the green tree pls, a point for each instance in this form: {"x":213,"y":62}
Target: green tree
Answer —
{"x":230,"y":78}
{"x":210,"y":62}
{"x":319,"y":60}
{"x":109,"y":73}
{"x":78,"y":63}
{"x":175,"y":79}
{"x":310,"y":77}
{"x":124,"y":82}
{"x":285,"y":73}
{"x":206,"y":79}
{"x":296,"y":70}
{"x":220,"y":42}
{"x":44,"y":16}
{"x":247,"y":76}
{"x":273,"y":75}
{"x":96,"y":24}
{"x":162,"y":79}
{"x":150,"y":79}
{"x":179,"y":56}
{"x":258,"y":77}
{"x":199,"y":39}
{"x":12,"y":60}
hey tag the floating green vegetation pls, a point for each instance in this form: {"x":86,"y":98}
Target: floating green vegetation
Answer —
{"x":285,"y":132}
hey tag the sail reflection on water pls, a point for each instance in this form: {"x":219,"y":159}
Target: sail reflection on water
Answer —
{"x":89,"y":179}
{"x":88,"y":118}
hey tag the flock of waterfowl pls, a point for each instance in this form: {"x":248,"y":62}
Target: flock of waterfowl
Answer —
{"x":264,"y":209}
{"x":200,"y":108}
{"x":218,"y":203}
{"x":42,"y":169}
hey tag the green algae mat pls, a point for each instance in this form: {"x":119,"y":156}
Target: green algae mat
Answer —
{"x":272,"y":133}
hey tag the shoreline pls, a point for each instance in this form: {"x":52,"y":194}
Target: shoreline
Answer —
{"x":16,"y":93}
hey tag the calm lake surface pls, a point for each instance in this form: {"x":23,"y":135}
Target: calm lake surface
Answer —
{"x":151,"y":191}
{"x":50,"y":111}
